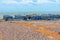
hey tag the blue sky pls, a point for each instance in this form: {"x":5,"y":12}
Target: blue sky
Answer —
{"x":29,"y":5}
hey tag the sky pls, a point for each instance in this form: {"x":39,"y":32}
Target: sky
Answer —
{"x":29,"y":5}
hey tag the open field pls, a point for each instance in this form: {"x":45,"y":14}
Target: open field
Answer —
{"x":13,"y":31}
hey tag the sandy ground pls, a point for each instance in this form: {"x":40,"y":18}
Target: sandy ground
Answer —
{"x":50,"y":25}
{"x":12,"y":31}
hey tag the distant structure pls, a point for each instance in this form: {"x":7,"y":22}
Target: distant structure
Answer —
{"x":32,"y":17}
{"x":7,"y":17}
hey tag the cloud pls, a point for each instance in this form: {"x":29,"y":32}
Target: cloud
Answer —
{"x":16,"y":2}
{"x":58,"y":1}
{"x":30,"y":1}
{"x":45,"y":1}
{"x":26,"y":2}
{"x":9,"y":2}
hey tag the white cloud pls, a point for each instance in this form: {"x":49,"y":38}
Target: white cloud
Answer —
{"x":25,"y":1}
{"x":58,"y":1}
{"x":28,"y":1}
{"x":37,"y":2}
{"x":45,"y":1}
{"x":15,"y":2}
{"x":9,"y":2}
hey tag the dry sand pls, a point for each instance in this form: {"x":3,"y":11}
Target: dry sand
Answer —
{"x":51,"y":25}
{"x":12,"y":31}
